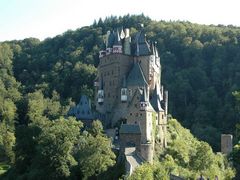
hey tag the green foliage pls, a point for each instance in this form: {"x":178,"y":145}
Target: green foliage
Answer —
{"x":94,"y":153}
{"x":200,"y":69}
{"x":235,"y":155}
{"x":96,"y":129}
{"x":54,"y":158}
{"x":190,"y":157}
{"x":9,"y":95}
{"x":186,"y":157}
{"x":143,"y":172}
{"x":3,"y":168}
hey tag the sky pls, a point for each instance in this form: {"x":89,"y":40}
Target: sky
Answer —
{"x":21,"y":19}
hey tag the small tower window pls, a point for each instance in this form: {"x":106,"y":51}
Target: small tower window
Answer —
{"x":130,"y":92}
{"x":124,"y":94}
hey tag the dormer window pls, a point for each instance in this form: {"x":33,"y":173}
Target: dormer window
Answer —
{"x":100,"y":96}
{"x":124,"y":94}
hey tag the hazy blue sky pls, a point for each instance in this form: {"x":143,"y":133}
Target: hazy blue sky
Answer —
{"x":46,"y":18}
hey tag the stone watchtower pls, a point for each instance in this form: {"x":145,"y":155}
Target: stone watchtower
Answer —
{"x":128,"y":89}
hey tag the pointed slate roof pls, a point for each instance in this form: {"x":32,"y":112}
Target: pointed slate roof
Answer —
{"x":110,"y":40}
{"x":142,"y":47}
{"x":83,"y":109}
{"x":156,"y":100}
{"x":117,"y":40}
{"x":136,"y":76}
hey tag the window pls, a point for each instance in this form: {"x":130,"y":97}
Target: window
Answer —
{"x":124,"y":91}
{"x":130,"y":92}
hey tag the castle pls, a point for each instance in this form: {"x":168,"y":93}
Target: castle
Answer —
{"x":128,"y":91}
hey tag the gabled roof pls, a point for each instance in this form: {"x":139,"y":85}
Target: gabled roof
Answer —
{"x":136,"y":77}
{"x":82,"y":110}
{"x":156,"y":100}
{"x":130,"y":129}
{"x":142,"y":47}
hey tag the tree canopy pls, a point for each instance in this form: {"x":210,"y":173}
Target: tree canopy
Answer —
{"x":39,"y":80}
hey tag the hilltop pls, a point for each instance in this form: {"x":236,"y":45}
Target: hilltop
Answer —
{"x":39,"y":80}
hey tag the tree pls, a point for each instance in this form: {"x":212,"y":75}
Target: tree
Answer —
{"x":54,"y":158}
{"x":94,"y":153}
{"x":96,"y":129}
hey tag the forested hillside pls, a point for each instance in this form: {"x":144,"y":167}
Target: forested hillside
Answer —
{"x":39,"y":80}
{"x":186,"y":157}
{"x":200,"y":68}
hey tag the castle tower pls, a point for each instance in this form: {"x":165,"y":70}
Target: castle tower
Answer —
{"x":129,"y":88}
{"x":127,"y":43}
